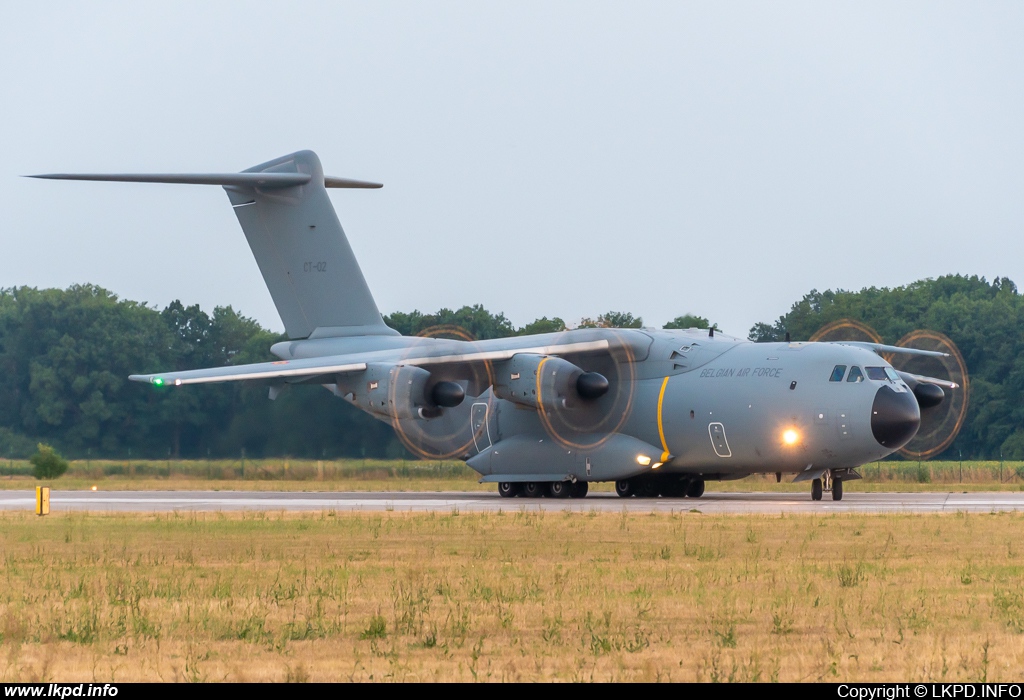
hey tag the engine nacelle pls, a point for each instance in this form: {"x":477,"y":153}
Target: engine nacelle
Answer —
{"x":399,"y":391}
{"x":551,"y":382}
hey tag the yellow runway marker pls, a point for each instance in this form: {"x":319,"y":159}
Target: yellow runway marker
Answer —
{"x":42,"y":500}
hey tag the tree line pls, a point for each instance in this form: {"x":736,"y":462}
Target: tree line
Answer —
{"x":65,"y":356}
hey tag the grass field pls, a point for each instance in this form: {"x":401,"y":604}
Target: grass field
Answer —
{"x":402,"y":475}
{"x":511,"y":596}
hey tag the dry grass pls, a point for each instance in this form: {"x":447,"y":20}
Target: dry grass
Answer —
{"x":511,"y":596}
{"x":401,"y":475}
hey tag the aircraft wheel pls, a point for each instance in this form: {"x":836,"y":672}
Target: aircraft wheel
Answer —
{"x":624,"y":488}
{"x":509,"y":489}
{"x":579,"y":489}
{"x":837,"y":489}
{"x":695,"y":488}
{"x":534,"y":489}
{"x":674,"y":488}
{"x":816,"y":490}
{"x":648,"y":488}
{"x":558,"y":489}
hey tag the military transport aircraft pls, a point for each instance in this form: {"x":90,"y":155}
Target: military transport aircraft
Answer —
{"x":659,"y":412}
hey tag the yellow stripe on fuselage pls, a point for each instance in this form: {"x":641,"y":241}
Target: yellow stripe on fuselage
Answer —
{"x":661,"y":425}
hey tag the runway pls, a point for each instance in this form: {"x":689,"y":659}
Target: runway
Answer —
{"x":711,"y":502}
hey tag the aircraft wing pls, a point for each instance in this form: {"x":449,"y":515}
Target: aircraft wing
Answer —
{"x":283,"y":370}
{"x":324,"y":369}
{"x":880,"y":348}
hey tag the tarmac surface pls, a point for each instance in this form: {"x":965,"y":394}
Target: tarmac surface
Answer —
{"x":711,"y":502}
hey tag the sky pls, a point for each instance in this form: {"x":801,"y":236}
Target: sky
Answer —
{"x":539,"y":158}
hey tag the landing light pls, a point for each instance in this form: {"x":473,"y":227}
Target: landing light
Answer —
{"x":790,"y":437}
{"x":643,"y":460}
{"x":656,"y":465}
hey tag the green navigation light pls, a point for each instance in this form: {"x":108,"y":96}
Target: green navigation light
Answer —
{"x":158,"y":381}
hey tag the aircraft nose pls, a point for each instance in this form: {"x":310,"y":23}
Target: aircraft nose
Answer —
{"x":895,"y":417}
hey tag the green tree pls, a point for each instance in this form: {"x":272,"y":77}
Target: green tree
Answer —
{"x":66,"y":356}
{"x":613,"y":319}
{"x":687,"y":321}
{"x":475,"y":321}
{"x":46,"y":463}
{"x":543,"y":325}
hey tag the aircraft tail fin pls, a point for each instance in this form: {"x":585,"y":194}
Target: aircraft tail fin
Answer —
{"x":297,"y":240}
{"x":303,"y":253}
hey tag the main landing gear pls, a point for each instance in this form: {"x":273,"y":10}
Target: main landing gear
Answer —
{"x":537,"y":489}
{"x":827,"y":484}
{"x":667,"y":487}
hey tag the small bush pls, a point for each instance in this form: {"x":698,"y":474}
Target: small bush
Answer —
{"x":46,"y":463}
{"x":377,"y":629}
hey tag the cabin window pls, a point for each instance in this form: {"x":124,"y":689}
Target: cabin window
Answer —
{"x":876,"y":373}
{"x":855,"y":375}
{"x":837,"y":373}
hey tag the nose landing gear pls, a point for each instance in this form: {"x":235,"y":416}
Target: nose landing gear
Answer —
{"x":827,"y":483}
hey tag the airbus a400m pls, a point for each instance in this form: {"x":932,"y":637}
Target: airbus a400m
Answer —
{"x":658,"y":412}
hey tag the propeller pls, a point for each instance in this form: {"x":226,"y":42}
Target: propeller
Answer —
{"x":932,"y":379}
{"x":605,"y":389}
{"x":942,"y":412}
{"x":450,"y":434}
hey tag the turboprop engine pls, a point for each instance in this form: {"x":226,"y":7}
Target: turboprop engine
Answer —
{"x":928,"y":395}
{"x":400,"y":391}
{"x":548,"y":382}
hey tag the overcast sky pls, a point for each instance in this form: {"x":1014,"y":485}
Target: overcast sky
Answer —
{"x":547,"y":158}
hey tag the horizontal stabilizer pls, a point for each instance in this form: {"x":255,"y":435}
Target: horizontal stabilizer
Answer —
{"x":346,"y":184}
{"x":262,"y":180}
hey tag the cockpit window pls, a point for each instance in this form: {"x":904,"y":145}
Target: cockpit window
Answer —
{"x":855,"y":375}
{"x":876,"y":373}
{"x":891,"y":373}
{"x":837,"y":373}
